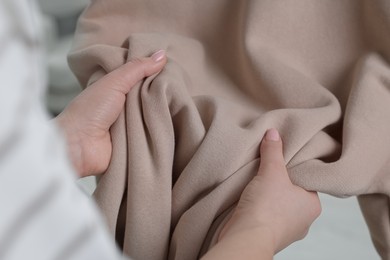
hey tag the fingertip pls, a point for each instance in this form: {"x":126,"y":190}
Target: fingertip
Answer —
{"x":158,"y":56}
{"x":272,"y":135}
{"x":271,"y":139}
{"x":147,"y":66}
{"x":271,"y":151}
{"x":155,"y":63}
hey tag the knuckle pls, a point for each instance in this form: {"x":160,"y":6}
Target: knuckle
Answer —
{"x":138,"y":67}
{"x":118,"y":84}
{"x":137,"y":61}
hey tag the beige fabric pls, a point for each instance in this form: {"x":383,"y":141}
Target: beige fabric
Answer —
{"x":187,"y":142}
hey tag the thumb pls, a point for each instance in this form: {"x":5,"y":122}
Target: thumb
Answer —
{"x":126,"y":76}
{"x":271,"y":153}
{"x":103,"y":101}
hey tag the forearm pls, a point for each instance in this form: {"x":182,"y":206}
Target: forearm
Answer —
{"x":249,"y":244}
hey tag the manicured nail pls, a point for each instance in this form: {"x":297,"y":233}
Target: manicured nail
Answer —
{"x":158,"y":56}
{"x":272,"y":135}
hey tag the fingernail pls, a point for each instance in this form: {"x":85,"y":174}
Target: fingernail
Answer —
{"x":272,"y":135}
{"x":158,"y":56}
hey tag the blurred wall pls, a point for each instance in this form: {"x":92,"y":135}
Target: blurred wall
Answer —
{"x":60,"y":18}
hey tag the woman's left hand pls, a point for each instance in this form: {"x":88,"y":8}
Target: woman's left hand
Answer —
{"x":87,"y":120}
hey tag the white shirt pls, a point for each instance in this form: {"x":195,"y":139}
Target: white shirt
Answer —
{"x":43,"y":214}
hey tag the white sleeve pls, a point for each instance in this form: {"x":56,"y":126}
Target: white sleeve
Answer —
{"x":43,"y":214}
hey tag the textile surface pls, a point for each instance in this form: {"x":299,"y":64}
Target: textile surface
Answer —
{"x":187,"y":141}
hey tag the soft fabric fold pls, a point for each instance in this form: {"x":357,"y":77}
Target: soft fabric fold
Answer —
{"x":187,"y":141}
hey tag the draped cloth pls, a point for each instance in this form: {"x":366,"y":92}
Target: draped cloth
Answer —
{"x":187,"y":141}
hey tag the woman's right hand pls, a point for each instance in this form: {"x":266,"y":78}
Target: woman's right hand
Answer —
{"x":272,"y":212}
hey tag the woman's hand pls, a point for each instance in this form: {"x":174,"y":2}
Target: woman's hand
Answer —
{"x":272,"y":212}
{"x":87,"y":119}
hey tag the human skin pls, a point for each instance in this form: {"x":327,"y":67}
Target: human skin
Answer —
{"x":271,"y":213}
{"x":86,"y":121}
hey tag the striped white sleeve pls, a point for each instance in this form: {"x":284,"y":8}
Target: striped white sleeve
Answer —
{"x":43,"y":214}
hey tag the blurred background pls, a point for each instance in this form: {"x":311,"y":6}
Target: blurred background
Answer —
{"x":60,"y":18}
{"x":339,"y":233}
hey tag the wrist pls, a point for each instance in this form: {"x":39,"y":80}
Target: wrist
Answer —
{"x":256,"y":243}
{"x":260,"y":232}
{"x":260,"y":225}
